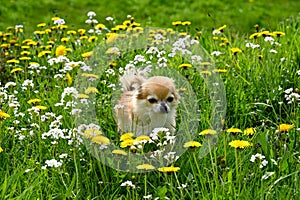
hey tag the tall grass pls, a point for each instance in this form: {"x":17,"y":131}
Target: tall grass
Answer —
{"x":44,"y":156}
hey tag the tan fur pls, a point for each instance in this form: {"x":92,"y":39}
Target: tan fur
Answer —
{"x":140,"y":116}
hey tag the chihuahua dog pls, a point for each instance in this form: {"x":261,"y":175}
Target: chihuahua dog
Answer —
{"x":146,"y":103}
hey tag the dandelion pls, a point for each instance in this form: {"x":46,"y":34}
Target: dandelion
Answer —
{"x":126,"y":136}
{"x":1,"y":150}
{"x":285,"y":127}
{"x":34,"y":101}
{"x":126,"y":143}
{"x":16,"y":70}
{"x":169,"y":169}
{"x":249,"y":131}
{"x":176,"y":23}
{"x":3,"y":115}
{"x":208,"y":132}
{"x":13,"y":61}
{"x":119,"y":152}
{"x":69,"y":78}
{"x":61,"y":51}
{"x":91,"y":90}
{"x":234,"y":130}
{"x":87,"y":54}
{"x":145,"y":167}
{"x":83,"y":96}
{"x":278,"y":33}
{"x":186,"y":23}
{"x":220,"y":70}
{"x":235,"y":50}
{"x":40,"y":107}
{"x":185,"y":66}
{"x":241,"y":144}
{"x":100,"y":139}
{"x":192,"y":144}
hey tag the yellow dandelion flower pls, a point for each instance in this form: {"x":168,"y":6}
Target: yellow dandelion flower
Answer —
{"x":33,"y":101}
{"x":48,"y":30}
{"x":208,"y":132}
{"x":126,"y":136}
{"x":60,"y":51}
{"x":119,"y":152}
{"x":285,"y":127}
{"x":126,"y":143}
{"x":55,"y":18}
{"x":13,"y":61}
{"x":25,"y":53}
{"x":186,"y":23}
{"x":278,"y":33}
{"x":62,"y":27}
{"x":24,"y":58}
{"x":41,"y":107}
{"x":44,"y":53}
{"x":1,"y":150}
{"x":205,"y":63}
{"x":241,"y":144}
{"x":83,"y":96}
{"x":221,"y":29}
{"x":16,"y":70}
{"x":192,"y":144}
{"x":89,"y":133}
{"x":65,"y":39}
{"x":69,"y":78}
{"x":249,"y":131}
{"x":81,"y":31}
{"x":93,"y":38}
{"x":185,"y":66}
{"x":87,"y":54}
{"x":111,"y":37}
{"x":169,"y":169}
{"x":5,"y":46}
{"x":71,"y":32}
{"x":100,"y":26}
{"x":4,"y":115}
{"x":112,"y":64}
{"x":220,"y":70}
{"x":91,"y":90}
{"x":142,"y":137}
{"x":235,"y":50}
{"x":145,"y":167}
{"x":84,"y":37}
{"x":41,"y":25}
{"x":100,"y":139}
{"x":234,"y":130}
{"x":266,"y":33}
{"x":176,"y":23}
{"x":93,"y":76}
{"x":255,"y":35}
{"x":50,"y":42}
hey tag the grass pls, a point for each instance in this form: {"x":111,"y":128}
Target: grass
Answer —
{"x":50,"y":152}
{"x":241,"y":15}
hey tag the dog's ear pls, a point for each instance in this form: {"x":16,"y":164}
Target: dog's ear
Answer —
{"x":140,"y":94}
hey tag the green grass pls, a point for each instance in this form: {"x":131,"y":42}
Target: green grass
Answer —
{"x":254,"y":83}
{"x":241,"y":15}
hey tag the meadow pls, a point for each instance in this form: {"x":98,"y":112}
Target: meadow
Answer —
{"x":238,"y":126}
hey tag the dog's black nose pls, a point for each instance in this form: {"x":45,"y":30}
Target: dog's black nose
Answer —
{"x":164,"y":108}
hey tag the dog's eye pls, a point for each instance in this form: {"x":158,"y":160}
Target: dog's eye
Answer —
{"x":152,"y":100}
{"x":170,"y":99}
